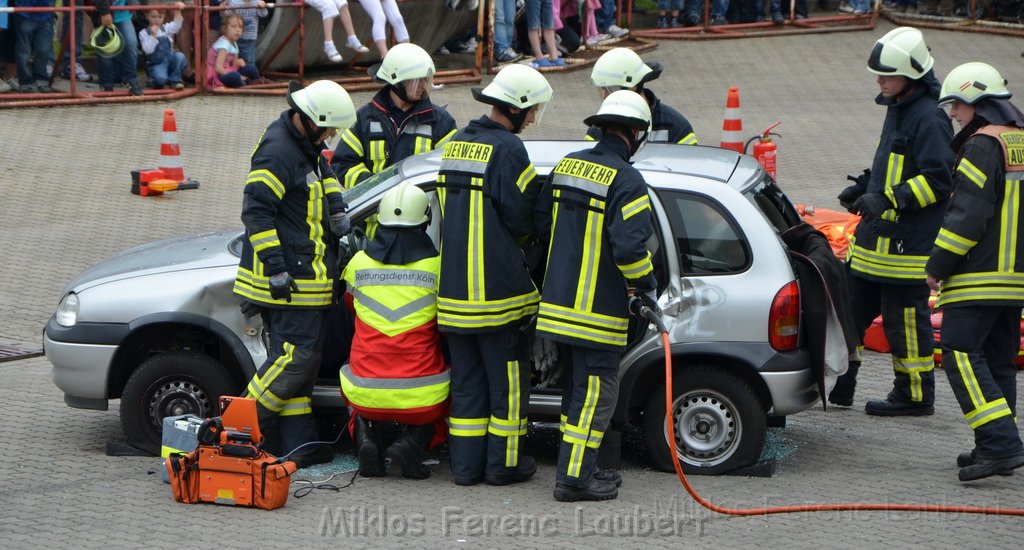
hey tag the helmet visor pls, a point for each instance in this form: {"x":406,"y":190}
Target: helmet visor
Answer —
{"x":539,"y":112}
{"x":418,"y":88}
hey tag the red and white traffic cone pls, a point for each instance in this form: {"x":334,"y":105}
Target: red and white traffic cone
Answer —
{"x":170,"y":153}
{"x":732,"y":126}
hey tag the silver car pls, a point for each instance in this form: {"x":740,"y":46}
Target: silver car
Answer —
{"x":158,"y":327}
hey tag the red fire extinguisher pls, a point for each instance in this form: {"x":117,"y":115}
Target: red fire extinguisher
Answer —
{"x":765,"y":149}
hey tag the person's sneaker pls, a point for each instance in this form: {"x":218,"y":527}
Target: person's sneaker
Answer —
{"x":663,"y":22}
{"x":616,"y":31}
{"x":597,"y":39}
{"x":676,"y":23}
{"x":692,"y":20}
{"x":508,"y":55}
{"x":969,"y":458}
{"x":135,"y":89}
{"x":719,"y":20}
{"x":47,"y":89}
{"x":4,"y":87}
{"x":845,"y":7}
{"x":558,"y":62}
{"x":108,"y":88}
{"x":542,"y":63}
{"x":332,"y":52}
{"x":355,"y":45}
{"x":861,"y":12}
{"x":81,"y":74}
{"x":893,"y":407}
{"x":470,"y":46}
{"x":523,"y":472}
{"x":595,"y":490}
{"x":178,"y":86}
{"x":26,"y":89}
{"x":986,"y":467}
{"x":443,"y":50}
{"x":778,"y":19}
{"x":610,"y":474}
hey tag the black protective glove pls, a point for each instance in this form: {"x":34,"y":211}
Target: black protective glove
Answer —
{"x":861,"y":180}
{"x":249,"y":309}
{"x":340,"y":224}
{"x":650,"y":299}
{"x":849,"y":195}
{"x":282,"y":285}
{"x":871,"y":205}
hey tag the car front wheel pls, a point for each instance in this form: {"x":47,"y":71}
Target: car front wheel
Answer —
{"x":719,"y":419}
{"x":170,"y":384}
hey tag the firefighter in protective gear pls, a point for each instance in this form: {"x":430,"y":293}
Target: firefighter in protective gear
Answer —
{"x":396,"y":371}
{"x":622,"y":69}
{"x":293,"y":211}
{"x":400,"y":121}
{"x":901,"y":200}
{"x":977,"y":266}
{"x":595,"y":211}
{"x":488,"y":188}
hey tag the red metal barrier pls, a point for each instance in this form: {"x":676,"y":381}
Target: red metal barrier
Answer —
{"x":792,"y":25}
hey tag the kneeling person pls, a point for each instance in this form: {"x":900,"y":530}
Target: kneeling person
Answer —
{"x":396,"y":371}
{"x":597,"y":252}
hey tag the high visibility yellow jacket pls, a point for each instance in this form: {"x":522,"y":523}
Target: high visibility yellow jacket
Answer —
{"x":288,"y":198}
{"x":396,"y":370}
{"x":487,"y":189}
{"x":911,"y":168}
{"x":596,"y":211}
{"x":979,"y":251}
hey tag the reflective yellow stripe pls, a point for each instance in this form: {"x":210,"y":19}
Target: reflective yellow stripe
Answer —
{"x":445,"y":139}
{"x":259,"y":386}
{"x":921,"y":190}
{"x":476,"y":314}
{"x":894,"y":171}
{"x":314,"y":219}
{"x":526,"y":177}
{"x":267,"y":178}
{"x":514,"y":389}
{"x":638,"y":268}
{"x":421,"y":145}
{"x":635,"y":207}
{"x":264,"y":240}
{"x":354,"y":174}
{"x":972,"y":172}
{"x":393,"y":399}
{"x":586,"y":419}
{"x":467,"y":427}
{"x":331,"y":185}
{"x":947,"y":240}
{"x":589,"y":261}
{"x":297,"y":406}
{"x":966,"y":370}
{"x":882,"y":264}
{"x":689,"y":139}
{"x":348,"y":137}
{"x":987,"y":413}
{"x":588,"y":137}
{"x":475,"y":248}
{"x":166,"y":451}
{"x":377,"y":155}
{"x":1009,"y":221}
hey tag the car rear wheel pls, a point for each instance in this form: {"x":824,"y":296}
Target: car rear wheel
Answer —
{"x":719,"y":419}
{"x":171,"y":384}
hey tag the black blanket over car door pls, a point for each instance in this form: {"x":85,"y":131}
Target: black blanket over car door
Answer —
{"x":822,"y":280}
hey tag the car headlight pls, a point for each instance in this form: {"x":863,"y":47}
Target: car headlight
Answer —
{"x":67,"y":311}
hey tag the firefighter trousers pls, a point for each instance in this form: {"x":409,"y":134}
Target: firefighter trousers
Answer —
{"x":283,"y":385}
{"x":906,"y":320}
{"x":590,"y":391}
{"x":490,"y":391}
{"x":979,"y":345}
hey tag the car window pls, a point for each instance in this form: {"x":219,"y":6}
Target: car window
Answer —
{"x":774,"y":204}
{"x":708,"y":239}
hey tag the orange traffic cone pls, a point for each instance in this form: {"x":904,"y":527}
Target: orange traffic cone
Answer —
{"x":170,"y":153}
{"x":732,"y":126}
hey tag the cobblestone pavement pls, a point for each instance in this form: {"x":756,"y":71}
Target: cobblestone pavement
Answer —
{"x":65,"y":205}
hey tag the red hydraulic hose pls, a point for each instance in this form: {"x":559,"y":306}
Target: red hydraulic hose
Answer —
{"x":799,"y":508}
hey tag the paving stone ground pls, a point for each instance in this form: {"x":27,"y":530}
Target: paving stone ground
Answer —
{"x":65,"y":205}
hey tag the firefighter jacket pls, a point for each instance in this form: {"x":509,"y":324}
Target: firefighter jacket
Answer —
{"x":487,"y":186}
{"x":595,"y":210}
{"x":288,"y":198}
{"x":396,"y":370}
{"x":667,"y":124}
{"x":378,"y":141}
{"x":911,"y":168}
{"x":979,"y":251}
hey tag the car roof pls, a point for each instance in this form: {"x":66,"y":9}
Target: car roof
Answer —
{"x":712,"y":163}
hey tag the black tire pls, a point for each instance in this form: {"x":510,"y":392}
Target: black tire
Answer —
{"x":720,"y":422}
{"x":170,"y":384}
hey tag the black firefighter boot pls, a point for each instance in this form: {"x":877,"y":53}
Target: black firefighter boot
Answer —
{"x":842,"y":393}
{"x":371,"y":460}
{"x":407,"y":451}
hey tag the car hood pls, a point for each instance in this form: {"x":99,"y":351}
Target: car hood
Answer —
{"x":200,"y":251}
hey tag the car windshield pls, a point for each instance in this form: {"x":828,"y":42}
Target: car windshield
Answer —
{"x":372,"y":186}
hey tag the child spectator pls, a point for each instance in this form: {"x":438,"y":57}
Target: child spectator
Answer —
{"x":124,"y":67}
{"x":251,"y":12}
{"x":329,"y":9}
{"x":164,"y":65}
{"x":223,"y":66}
{"x":540,"y":21}
{"x":382,"y":12}
{"x":33,"y":38}
{"x":664,"y":21}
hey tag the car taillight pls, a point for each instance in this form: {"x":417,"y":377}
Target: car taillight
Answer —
{"x":784,"y":318}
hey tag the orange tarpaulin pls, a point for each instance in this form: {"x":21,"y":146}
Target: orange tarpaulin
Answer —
{"x":837,"y":226}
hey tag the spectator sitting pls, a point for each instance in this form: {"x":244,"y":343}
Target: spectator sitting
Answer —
{"x":223,"y":66}
{"x":329,"y":9}
{"x":33,"y":39}
{"x":164,"y":65}
{"x":251,"y":12}
{"x":382,"y":12}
